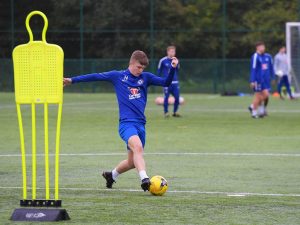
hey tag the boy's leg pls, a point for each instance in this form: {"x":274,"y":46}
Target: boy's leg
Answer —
{"x":166,"y":100}
{"x":266,"y":88}
{"x":175,"y":93}
{"x":122,"y":167}
{"x":135,"y":145}
{"x":265,"y":94}
{"x":125,"y":165}
{"x":261,"y":95}
{"x":264,"y":102}
{"x":263,"y":106}
{"x":135,"y":137}
{"x":255,"y":103}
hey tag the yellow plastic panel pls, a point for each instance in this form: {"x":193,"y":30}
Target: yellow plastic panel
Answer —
{"x":38,"y":69}
{"x":38,"y":73}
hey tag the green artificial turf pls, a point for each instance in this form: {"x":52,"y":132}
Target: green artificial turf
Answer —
{"x":213,"y":152}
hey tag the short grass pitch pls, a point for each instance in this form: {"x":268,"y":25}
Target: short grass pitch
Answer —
{"x":222,"y":166}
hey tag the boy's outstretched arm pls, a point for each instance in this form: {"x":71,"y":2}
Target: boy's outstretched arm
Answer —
{"x":106,"y":76}
{"x":165,"y":82}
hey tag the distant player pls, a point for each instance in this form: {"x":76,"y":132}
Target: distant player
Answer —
{"x":131,"y":86}
{"x":262,"y":73}
{"x":164,"y":66}
{"x":282,"y":71}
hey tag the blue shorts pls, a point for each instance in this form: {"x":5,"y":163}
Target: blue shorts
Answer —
{"x":259,"y":87}
{"x":267,"y":85}
{"x":129,"y":129}
{"x":172,"y":89}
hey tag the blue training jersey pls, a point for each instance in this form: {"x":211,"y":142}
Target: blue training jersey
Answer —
{"x":131,"y":91}
{"x":164,"y":66}
{"x":261,"y":68}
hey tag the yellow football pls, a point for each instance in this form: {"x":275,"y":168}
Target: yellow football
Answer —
{"x":159,"y":185}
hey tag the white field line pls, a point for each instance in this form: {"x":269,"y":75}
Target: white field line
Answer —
{"x":170,"y":153}
{"x":229,"y":194}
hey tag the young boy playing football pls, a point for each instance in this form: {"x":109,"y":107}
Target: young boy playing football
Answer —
{"x":131,"y":89}
{"x":260,"y":80}
{"x":163,"y":69}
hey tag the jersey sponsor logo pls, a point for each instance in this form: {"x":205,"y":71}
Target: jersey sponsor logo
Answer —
{"x":264,"y":66}
{"x":125,"y":78}
{"x":140,"y":82}
{"x":134,"y":93}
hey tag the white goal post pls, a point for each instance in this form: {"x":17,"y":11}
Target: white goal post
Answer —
{"x":293,"y":52}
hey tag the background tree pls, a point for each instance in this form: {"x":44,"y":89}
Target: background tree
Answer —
{"x":112,"y":29}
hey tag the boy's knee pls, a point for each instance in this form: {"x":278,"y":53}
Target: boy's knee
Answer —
{"x":137,"y":149}
{"x":135,"y":145}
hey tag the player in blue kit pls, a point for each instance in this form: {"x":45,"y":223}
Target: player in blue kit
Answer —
{"x":131,"y":89}
{"x":262,"y":73}
{"x":164,"y":66}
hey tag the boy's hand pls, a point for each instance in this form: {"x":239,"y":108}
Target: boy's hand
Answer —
{"x":174,"y":62}
{"x":252,"y":85}
{"x":67,"y":81}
